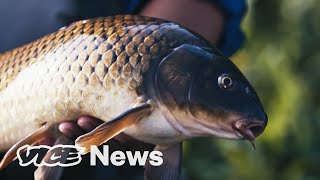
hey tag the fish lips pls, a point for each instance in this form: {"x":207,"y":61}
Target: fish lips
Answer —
{"x":249,"y":129}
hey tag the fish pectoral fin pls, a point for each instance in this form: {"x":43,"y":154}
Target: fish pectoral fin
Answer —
{"x":54,"y":172}
{"x":170,"y":169}
{"x":31,"y":139}
{"x":109,"y":129}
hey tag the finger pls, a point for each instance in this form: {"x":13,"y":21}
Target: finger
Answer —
{"x":70,"y":129}
{"x":88,"y":123}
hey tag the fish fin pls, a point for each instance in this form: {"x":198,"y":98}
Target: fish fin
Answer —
{"x":31,"y":139}
{"x":170,"y":169}
{"x":109,"y":129}
{"x":176,"y":72}
{"x":54,"y":172}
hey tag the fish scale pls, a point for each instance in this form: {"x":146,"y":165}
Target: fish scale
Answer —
{"x":93,"y":67}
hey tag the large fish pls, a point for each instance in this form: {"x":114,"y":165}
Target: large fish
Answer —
{"x":151,"y":79}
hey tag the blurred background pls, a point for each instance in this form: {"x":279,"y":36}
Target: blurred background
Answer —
{"x":281,"y":58}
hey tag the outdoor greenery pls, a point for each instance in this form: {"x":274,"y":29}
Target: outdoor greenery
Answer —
{"x":281,"y":58}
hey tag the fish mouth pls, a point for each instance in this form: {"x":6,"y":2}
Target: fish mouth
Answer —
{"x":249,"y":129}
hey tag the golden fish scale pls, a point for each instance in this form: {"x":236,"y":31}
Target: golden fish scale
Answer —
{"x":93,"y":67}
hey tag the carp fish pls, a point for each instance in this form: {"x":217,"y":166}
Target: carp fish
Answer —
{"x":148,"y":78}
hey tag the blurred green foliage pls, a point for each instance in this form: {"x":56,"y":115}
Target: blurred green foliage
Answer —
{"x":281,"y":59}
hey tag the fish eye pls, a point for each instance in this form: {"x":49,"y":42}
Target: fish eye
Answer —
{"x":225,"y":81}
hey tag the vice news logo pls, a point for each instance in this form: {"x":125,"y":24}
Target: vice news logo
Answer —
{"x":69,"y":155}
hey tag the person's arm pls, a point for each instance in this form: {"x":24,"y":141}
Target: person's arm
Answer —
{"x":201,"y":16}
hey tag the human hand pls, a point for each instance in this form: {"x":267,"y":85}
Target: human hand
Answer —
{"x":73,"y":129}
{"x":85,"y":124}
